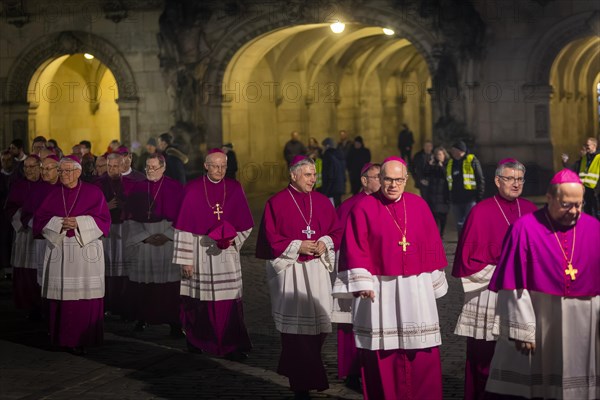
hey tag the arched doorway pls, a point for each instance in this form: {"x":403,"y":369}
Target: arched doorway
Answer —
{"x":36,"y":58}
{"x":574,"y":78}
{"x":73,"y":98}
{"x":307,"y":78}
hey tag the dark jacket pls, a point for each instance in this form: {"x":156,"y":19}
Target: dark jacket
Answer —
{"x":334,"y":176}
{"x":176,"y":161}
{"x":437,"y":194}
{"x":356,"y":159}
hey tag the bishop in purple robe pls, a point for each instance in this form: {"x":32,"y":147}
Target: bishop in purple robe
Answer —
{"x":477,"y":255}
{"x":298,"y":236}
{"x":212,"y":225}
{"x":154,"y":281}
{"x":548,"y":285}
{"x":73,"y":217}
{"x":348,"y":362}
{"x":391,"y":264}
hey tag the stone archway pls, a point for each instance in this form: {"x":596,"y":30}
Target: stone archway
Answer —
{"x":216,"y":98}
{"x":559,"y":93}
{"x":52,"y":47}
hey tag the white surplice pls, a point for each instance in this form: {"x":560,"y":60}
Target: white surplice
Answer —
{"x":147,"y":263}
{"x":301,"y":301}
{"x":113,"y":251}
{"x":23,"y":253}
{"x":403,"y":314}
{"x":566,"y":332}
{"x":478,"y":317}
{"x":217,"y":272}
{"x":73,"y":266}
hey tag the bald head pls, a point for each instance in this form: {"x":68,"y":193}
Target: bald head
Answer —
{"x":216,"y":166}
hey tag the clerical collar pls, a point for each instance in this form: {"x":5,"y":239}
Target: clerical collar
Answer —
{"x":7,"y":173}
{"x":212,"y":180}
{"x":503,"y":200}
{"x":296,"y":189}
{"x":127,"y":173}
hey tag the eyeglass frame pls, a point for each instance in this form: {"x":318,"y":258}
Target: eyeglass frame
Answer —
{"x":60,"y":171}
{"x":511,"y":179}
{"x":217,"y":166}
{"x":153,"y":169}
{"x":399,"y":181}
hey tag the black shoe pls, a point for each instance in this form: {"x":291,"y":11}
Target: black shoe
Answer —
{"x":78,"y":351}
{"x":353,"y":382}
{"x":176,"y":331}
{"x":302,"y":395}
{"x":236,"y":356}
{"x":140,"y":326}
{"x":193,"y":349}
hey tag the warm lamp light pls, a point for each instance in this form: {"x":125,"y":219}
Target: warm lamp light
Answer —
{"x":88,"y":56}
{"x":388,"y":31}
{"x":337,"y":27}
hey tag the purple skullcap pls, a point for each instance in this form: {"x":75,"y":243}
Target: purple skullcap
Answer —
{"x":52,"y":157}
{"x":565,"y":176}
{"x":366,"y":167}
{"x":216,"y":150}
{"x":507,"y":160}
{"x":297,"y":159}
{"x":394,"y":158}
{"x":123,"y":150}
{"x":73,"y":158}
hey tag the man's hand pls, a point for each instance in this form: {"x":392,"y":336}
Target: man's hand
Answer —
{"x":114,"y":203}
{"x":525,"y":347}
{"x":320,"y":249}
{"x":307,"y":247}
{"x":69,"y":223}
{"x":564,"y":157}
{"x":187,"y":271}
{"x":157,"y":239}
{"x":365,"y":294}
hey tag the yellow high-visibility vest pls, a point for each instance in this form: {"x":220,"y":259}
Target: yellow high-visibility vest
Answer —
{"x":589,"y":175}
{"x":319,"y":172}
{"x":467,"y":171}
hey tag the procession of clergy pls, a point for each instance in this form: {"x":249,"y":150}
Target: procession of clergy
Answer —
{"x":149,"y":249}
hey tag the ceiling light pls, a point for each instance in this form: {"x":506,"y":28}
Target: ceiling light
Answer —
{"x":337,"y":27}
{"x":88,"y":56}
{"x":388,"y":31}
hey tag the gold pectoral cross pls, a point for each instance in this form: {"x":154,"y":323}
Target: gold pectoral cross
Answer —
{"x":404,"y":243}
{"x":218,"y":212}
{"x":571,"y":271}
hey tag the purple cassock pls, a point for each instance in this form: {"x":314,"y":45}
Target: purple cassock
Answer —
{"x":25,"y":294}
{"x":6,"y":230}
{"x":77,"y":321}
{"x":532,"y":260}
{"x":116,"y":297}
{"x":348,"y":362}
{"x":26,"y":290}
{"x":154,"y":282}
{"x":288,"y":219}
{"x":211,"y":317}
{"x":376,"y":234}
{"x":480,"y":245}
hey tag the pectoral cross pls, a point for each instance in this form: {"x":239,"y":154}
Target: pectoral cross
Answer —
{"x":403,"y":243}
{"x":218,"y":212}
{"x":149,"y":213}
{"x":571,"y":271}
{"x":308,"y":232}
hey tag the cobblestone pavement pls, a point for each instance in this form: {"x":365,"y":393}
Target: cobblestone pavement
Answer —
{"x":151,"y":365}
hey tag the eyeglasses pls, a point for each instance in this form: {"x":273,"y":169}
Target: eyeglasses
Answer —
{"x":48,"y":169}
{"x":371,"y":176}
{"x":568,"y":206}
{"x":31,"y":166}
{"x":512,"y":179}
{"x":66,"y":171}
{"x":148,"y":169}
{"x":399,"y":181}
{"x":217,"y":166}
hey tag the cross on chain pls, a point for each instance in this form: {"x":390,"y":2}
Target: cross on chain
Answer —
{"x":308,"y":232}
{"x":403,"y":243}
{"x":218,"y":212}
{"x":571,"y":271}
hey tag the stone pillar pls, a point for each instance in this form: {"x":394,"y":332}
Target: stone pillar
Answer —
{"x":15,"y":123}
{"x":128,"y":123}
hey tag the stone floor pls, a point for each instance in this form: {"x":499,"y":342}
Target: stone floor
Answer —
{"x":151,"y":365}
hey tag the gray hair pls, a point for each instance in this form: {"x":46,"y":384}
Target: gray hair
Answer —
{"x":294,"y":168}
{"x":114,"y":156}
{"x":512,"y":165}
{"x":66,"y":160}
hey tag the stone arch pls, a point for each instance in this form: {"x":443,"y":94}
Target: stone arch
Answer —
{"x":554,"y":40}
{"x":71,"y":42}
{"x":411,"y":27}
